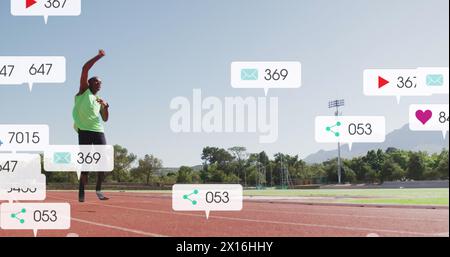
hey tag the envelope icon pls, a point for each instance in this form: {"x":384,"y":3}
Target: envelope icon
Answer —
{"x":435,"y":80}
{"x":62,"y":158}
{"x":249,"y":74}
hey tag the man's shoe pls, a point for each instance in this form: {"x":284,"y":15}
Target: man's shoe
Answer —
{"x":101,"y":197}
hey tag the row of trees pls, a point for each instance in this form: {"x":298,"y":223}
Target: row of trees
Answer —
{"x":235,"y":165}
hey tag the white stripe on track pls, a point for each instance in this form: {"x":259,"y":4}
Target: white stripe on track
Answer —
{"x":139,"y":232}
{"x":261,"y":221}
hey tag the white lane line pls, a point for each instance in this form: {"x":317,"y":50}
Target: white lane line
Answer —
{"x":411,"y":211}
{"x":445,"y":234}
{"x":317,"y":213}
{"x":139,"y":232}
{"x":202,"y":216}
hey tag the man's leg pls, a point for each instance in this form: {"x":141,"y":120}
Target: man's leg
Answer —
{"x":83,"y":182}
{"x":84,"y":138}
{"x":100,"y":140}
{"x":100,"y":178}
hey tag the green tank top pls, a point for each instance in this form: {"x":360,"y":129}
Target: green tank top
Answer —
{"x":86,"y":113}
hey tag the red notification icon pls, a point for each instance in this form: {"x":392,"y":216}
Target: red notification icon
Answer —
{"x":29,"y":3}
{"x":382,"y":82}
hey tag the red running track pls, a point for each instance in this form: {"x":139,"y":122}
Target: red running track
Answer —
{"x":148,"y":214}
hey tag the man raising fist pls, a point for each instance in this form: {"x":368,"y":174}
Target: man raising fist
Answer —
{"x":89,"y":113}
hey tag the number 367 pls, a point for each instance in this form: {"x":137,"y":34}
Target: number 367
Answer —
{"x":55,"y":3}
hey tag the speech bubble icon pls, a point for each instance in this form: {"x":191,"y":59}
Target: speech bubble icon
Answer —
{"x":46,"y":8}
{"x":393,"y":82}
{"x":429,"y":117}
{"x":21,"y":178}
{"x":35,"y":216}
{"x":266,"y":75}
{"x":17,"y":70}
{"x":23,"y":137}
{"x":350,"y":129}
{"x":78,"y":158}
{"x":26,"y":190}
{"x":207,"y":197}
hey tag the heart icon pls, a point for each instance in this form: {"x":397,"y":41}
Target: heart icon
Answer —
{"x":424,"y":116}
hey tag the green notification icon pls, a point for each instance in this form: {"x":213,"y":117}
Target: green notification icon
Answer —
{"x":331,"y":129}
{"x":187,"y":197}
{"x":16,"y":216}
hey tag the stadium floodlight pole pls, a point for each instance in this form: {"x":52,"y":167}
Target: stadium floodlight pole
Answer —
{"x":336,"y":104}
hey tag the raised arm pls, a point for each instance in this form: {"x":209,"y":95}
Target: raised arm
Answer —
{"x":84,"y":84}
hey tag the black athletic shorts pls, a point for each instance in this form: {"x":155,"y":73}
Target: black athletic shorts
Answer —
{"x":91,"y":138}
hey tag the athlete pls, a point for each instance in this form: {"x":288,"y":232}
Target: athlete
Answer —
{"x":89,"y":113}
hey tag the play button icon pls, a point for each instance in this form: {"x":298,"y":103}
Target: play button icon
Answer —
{"x":29,"y":3}
{"x":382,"y":82}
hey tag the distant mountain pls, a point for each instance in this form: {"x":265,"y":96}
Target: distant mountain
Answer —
{"x":167,"y":170}
{"x":197,"y":168}
{"x":403,"y":138}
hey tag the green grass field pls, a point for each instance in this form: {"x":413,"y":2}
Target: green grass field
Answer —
{"x":423,"y":196}
{"x":405,"y":201}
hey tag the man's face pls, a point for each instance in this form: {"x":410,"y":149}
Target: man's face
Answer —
{"x":96,"y":85}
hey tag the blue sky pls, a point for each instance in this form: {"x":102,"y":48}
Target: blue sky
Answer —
{"x":157,"y":50}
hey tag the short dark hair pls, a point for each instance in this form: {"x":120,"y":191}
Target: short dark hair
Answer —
{"x":91,"y":80}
